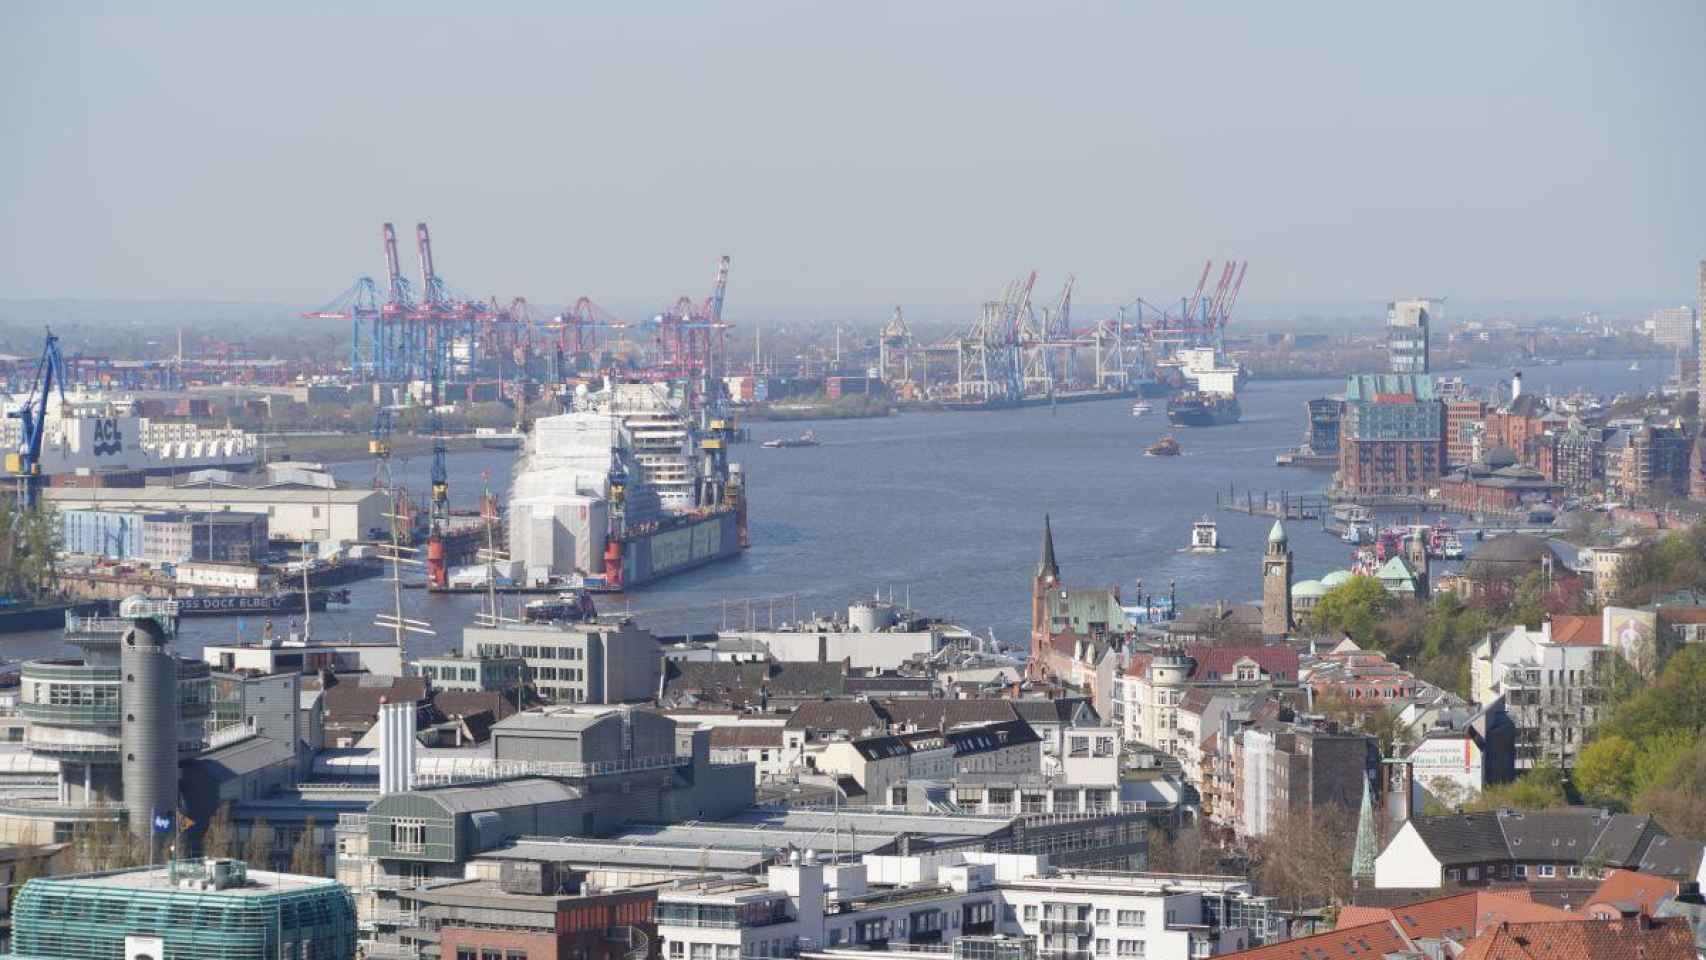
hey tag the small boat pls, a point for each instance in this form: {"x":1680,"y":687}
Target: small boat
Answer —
{"x":1164,"y":447}
{"x":1141,"y":409}
{"x":1205,"y":537}
{"x":1450,"y":548}
{"x":570,"y":605}
{"x":807,"y":439}
{"x":1635,"y":366}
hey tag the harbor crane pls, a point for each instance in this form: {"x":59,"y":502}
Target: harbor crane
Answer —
{"x":26,"y":462}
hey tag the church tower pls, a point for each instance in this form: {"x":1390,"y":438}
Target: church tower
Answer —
{"x":1042,"y":591}
{"x":1276,"y":584}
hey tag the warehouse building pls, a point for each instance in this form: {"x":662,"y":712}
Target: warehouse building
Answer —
{"x":291,"y":514}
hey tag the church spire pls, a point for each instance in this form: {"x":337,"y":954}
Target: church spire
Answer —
{"x":1047,"y":569}
{"x":1368,"y":840}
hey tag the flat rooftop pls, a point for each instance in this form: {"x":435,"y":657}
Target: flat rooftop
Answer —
{"x":261,"y":883}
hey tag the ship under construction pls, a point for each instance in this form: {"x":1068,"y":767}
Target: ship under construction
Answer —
{"x":624,"y":488}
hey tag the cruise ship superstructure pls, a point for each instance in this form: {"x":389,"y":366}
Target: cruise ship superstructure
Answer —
{"x":621,"y":490}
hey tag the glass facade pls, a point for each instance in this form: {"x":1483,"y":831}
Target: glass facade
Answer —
{"x":70,"y":918}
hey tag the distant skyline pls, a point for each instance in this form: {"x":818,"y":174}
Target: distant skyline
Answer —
{"x":857,"y":155}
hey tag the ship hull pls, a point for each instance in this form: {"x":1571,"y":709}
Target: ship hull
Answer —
{"x":1043,"y":400}
{"x":689,"y":543}
{"x":1202,"y":416}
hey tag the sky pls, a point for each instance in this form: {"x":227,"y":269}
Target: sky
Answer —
{"x":848,"y":154}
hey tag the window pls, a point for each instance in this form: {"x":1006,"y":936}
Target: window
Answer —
{"x":677,"y":949}
{"x":728,"y":951}
{"x":1102,"y":947}
{"x":408,"y":835}
{"x":1131,"y":948}
{"x":1080,"y":747}
{"x":1575,"y":871}
{"x":1102,"y":916}
{"x":1521,"y":870}
{"x":466,"y":953}
{"x":491,"y":954}
{"x":1030,"y":913}
{"x":1246,"y":672}
{"x":1131,"y":918}
{"x":1546,"y":870}
{"x":700,"y":951}
{"x":515,"y":955}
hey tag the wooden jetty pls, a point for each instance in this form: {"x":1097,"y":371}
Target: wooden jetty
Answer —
{"x":1281,"y":506}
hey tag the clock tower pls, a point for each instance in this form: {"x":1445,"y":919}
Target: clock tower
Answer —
{"x":1276,"y":584}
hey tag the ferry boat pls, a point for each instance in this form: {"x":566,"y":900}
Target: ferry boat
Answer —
{"x":1352,"y":522}
{"x":1164,"y":447}
{"x":807,"y":439}
{"x":1205,"y":537}
{"x":1141,"y":409}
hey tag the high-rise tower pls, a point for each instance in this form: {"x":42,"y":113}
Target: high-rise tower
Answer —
{"x":149,"y":735}
{"x":1276,"y":584}
{"x":1407,"y":323}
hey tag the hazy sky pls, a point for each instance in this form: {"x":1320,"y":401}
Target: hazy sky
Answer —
{"x":855,"y":153}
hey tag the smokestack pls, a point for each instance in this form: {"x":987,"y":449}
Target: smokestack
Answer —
{"x":396,"y":747}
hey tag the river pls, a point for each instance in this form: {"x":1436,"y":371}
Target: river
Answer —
{"x":948,"y":507}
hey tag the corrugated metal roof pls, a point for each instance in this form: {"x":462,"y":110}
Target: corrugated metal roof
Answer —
{"x":500,"y":795}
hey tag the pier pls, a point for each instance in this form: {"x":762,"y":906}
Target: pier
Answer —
{"x":1281,"y":506}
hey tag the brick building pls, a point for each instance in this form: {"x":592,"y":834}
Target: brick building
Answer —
{"x":1393,"y":436}
{"x":548,"y":919}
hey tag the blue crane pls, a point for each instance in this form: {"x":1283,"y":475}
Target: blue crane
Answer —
{"x":26,"y":462}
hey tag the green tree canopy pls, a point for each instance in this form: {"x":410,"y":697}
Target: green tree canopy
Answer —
{"x":1354,"y":607}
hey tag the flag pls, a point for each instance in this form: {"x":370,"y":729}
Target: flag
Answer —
{"x":162,"y":823}
{"x":185,"y":823}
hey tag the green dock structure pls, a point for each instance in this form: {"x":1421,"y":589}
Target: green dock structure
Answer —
{"x":185,"y":910}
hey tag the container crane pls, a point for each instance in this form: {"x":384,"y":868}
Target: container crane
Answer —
{"x":26,"y":462}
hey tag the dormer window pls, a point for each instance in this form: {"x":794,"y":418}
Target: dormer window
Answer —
{"x":1247,"y":672}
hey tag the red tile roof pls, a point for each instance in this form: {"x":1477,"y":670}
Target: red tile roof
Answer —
{"x":1220,"y":663}
{"x":1459,"y":916}
{"x":1632,"y":939}
{"x":1643,"y":891}
{"x":1139,"y":665}
{"x":1370,"y":941}
{"x":1577,"y":631}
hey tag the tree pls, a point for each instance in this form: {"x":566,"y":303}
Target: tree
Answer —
{"x":1675,"y":702}
{"x":1605,"y":771}
{"x":1541,"y":788}
{"x":257,"y":852}
{"x":219,"y":839}
{"x":1305,"y":860}
{"x":1354,"y":607}
{"x":1674,"y":797}
{"x":1180,"y":851}
{"x":305,"y":858}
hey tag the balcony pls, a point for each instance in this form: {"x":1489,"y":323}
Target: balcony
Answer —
{"x":1076,"y":928}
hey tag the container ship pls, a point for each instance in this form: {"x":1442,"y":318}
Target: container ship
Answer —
{"x":1203,"y":409}
{"x":100,"y":434}
{"x":622,"y":490}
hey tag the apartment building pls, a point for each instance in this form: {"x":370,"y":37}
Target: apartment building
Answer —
{"x":1554,"y":684}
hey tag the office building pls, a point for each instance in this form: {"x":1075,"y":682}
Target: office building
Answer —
{"x":604,"y":660}
{"x":1554,"y":682}
{"x":185,"y":910}
{"x":292,"y":513}
{"x":1407,"y":323}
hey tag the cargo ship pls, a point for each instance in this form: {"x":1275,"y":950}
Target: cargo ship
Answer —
{"x":101,"y":434}
{"x":1043,"y":399}
{"x":623,"y":489}
{"x":1203,"y":410}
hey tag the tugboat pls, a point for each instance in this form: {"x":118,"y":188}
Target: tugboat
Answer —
{"x":1205,"y":537}
{"x":1203,"y":410}
{"x":1164,"y":447}
{"x":807,"y":439}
